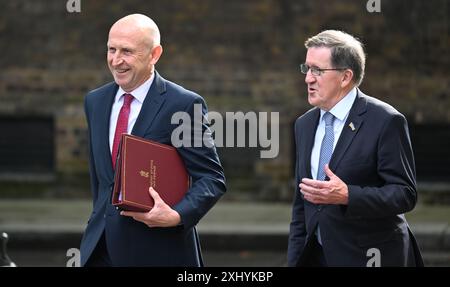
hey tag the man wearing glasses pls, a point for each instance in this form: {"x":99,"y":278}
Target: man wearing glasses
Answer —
{"x":355,"y":172}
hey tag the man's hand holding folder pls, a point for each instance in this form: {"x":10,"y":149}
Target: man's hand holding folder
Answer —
{"x":161,"y":215}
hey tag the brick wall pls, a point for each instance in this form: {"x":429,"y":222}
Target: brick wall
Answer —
{"x":239,"y":55}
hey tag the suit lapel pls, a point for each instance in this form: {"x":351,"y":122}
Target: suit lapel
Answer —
{"x":104,"y":112}
{"x":352,"y":125}
{"x":150,"y":107}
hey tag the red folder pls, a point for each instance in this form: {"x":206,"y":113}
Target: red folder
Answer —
{"x":142,"y":163}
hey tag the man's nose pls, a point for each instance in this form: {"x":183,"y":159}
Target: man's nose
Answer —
{"x":309,"y":78}
{"x":116,"y":59}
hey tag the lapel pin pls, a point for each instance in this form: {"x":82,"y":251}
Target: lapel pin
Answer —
{"x":352,"y":126}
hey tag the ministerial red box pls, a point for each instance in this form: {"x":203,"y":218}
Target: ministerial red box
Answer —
{"x":142,"y":163}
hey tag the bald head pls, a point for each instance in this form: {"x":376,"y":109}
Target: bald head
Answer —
{"x":140,"y":25}
{"x":133,"y":50}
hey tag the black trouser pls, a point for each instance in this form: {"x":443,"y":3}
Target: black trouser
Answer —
{"x":313,"y":255}
{"x":100,"y":256}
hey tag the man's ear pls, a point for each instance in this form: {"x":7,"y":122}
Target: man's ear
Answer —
{"x":347,"y":79}
{"x":156,"y":53}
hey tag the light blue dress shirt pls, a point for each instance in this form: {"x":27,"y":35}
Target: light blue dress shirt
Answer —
{"x":340,"y":111}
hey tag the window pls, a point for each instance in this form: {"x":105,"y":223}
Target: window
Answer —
{"x":26,"y":144}
{"x":431,"y":145}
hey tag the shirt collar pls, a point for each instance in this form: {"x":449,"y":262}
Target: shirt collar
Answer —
{"x":342,"y":108}
{"x":140,"y":92}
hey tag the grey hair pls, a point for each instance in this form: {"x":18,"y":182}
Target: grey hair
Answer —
{"x":346,"y":51}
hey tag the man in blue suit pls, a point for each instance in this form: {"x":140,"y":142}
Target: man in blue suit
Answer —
{"x":142,"y":102}
{"x":355,"y":172}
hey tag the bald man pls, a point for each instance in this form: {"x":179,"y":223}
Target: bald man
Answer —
{"x":143,"y":103}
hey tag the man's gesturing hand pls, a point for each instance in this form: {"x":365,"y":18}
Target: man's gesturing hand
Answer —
{"x":334,"y":191}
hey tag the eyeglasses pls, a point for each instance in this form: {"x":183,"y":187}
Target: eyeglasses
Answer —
{"x":316,"y":71}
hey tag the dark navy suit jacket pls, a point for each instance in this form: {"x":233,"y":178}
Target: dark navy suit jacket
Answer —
{"x":129,"y":242}
{"x":376,"y":161}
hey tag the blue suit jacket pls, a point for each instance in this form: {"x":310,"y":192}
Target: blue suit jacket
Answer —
{"x":376,"y":161}
{"x":129,"y":242}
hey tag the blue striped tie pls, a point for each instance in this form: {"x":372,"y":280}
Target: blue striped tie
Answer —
{"x":326,"y":150}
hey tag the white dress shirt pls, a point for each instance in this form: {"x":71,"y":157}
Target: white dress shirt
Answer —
{"x":139,"y":95}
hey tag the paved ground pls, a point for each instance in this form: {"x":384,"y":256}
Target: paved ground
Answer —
{"x":232,"y":234}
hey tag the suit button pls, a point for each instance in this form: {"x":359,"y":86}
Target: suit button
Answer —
{"x":104,"y":215}
{"x":319,"y":208}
